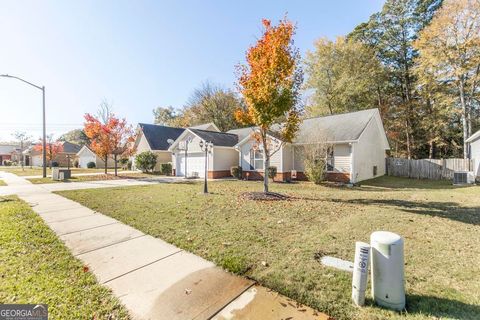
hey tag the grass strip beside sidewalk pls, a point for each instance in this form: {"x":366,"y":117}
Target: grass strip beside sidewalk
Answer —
{"x":36,"y":267}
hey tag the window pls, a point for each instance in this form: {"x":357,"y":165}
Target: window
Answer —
{"x":256,"y":160}
{"x":375,"y":170}
{"x":330,"y":160}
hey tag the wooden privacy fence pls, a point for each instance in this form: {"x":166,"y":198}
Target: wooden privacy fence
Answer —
{"x":434,"y":169}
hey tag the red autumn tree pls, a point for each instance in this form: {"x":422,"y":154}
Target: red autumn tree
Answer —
{"x":52,"y":148}
{"x":109,"y":135}
{"x":270,"y":83}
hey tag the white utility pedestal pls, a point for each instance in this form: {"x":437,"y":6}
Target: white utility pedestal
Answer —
{"x":388,"y":279}
{"x":360,"y":272}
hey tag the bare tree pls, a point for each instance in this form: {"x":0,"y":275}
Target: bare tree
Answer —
{"x":22,"y":137}
{"x":105,"y":111}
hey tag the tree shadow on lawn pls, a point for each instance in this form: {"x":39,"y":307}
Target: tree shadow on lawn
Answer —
{"x":448,"y":210}
{"x":435,"y":307}
{"x":441,"y":307}
{"x":399,"y":183}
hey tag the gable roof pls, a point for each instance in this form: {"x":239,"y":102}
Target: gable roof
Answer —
{"x":8,"y":149}
{"x":85,"y":148}
{"x":69,"y":147}
{"x":220,"y":139}
{"x":205,"y":126}
{"x":473,"y":137}
{"x":345,"y":127}
{"x":338,"y":128}
{"x":157,"y":136}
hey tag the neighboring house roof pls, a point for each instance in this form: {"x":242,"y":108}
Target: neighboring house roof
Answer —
{"x":157,"y":136}
{"x":338,"y":128}
{"x":473,"y":137}
{"x":220,"y":139}
{"x":8,"y":149}
{"x":206,"y":126}
{"x":69,"y":147}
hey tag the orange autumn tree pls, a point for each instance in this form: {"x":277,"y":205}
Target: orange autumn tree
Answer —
{"x":270,"y":84}
{"x":108,"y":136}
{"x":52,"y":148}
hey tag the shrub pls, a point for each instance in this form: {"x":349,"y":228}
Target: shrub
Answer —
{"x":236,"y":172}
{"x":7,"y":163}
{"x":129,"y":165}
{"x":166,"y":169}
{"x":54,"y":164}
{"x":146,"y":161}
{"x":315,"y":170}
{"x":75,"y":163}
{"x":272,"y":172}
{"x":123,"y":163}
{"x":91,"y":165}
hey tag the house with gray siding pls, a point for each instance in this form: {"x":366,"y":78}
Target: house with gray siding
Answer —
{"x":474,"y":152}
{"x":357,"y":148}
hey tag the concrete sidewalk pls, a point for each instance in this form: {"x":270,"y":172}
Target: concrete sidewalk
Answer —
{"x":153,"y":279}
{"x":85,"y":174}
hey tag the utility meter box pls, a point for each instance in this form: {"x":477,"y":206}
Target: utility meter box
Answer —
{"x":388,"y":279}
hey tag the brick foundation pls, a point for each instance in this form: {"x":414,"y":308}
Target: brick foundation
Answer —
{"x":338,"y":177}
{"x":285,"y":176}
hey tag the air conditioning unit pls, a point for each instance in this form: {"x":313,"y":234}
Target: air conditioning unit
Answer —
{"x":463,"y":177}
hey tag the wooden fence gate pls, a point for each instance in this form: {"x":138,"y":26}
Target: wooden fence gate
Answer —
{"x":434,"y":169}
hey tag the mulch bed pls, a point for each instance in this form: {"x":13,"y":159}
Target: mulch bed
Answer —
{"x":261,"y":196}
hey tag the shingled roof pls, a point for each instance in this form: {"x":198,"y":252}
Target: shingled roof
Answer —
{"x":69,"y":147}
{"x":338,"y":128}
{"x":343,"y":127}
{"x":220,"y":139}
{"x":157,"y":136}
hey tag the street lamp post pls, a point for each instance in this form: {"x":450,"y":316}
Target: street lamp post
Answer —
{"x":44,"y":141}
{"x":205,"y":146}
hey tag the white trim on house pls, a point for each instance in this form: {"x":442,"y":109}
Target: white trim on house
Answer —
{"x":180,"y":138}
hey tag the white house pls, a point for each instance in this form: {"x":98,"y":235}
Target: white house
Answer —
{"x":357,"y":143}
{"x":188,"y":158}
{"x":157,"y":138}
{"x":474,"y":143}
{"x":86,"y":155}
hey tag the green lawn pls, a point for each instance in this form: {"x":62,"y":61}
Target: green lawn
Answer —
{"x":440,"y":224}
{"x":35,"y":267}
{"x":37,"y":171}
{"x":98,"y":177}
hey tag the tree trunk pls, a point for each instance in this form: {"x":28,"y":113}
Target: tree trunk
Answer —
{"x":266,"y":164}
{"x":407,"y":129}
{"x":266,"y":161}
{"x":464,"y":118}
{"x":430,"y":150}
{"x":115,"y":159}
{"x":106,"y":160}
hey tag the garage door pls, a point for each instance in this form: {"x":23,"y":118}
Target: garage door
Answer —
{"x":195,"y":165}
